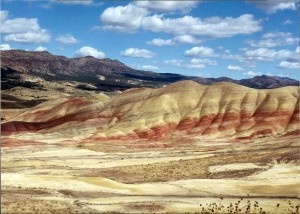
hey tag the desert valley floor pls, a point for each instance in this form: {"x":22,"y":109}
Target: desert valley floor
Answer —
{"x":190,"y":176}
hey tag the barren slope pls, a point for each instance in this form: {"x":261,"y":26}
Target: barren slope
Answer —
{"x":216,"y":111}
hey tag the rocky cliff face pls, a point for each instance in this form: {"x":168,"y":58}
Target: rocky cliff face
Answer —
{"x":222,"y":110}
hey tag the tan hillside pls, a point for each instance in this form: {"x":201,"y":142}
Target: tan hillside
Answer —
{"x":216,"y":111}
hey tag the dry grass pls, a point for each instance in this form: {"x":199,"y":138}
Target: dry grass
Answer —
{"x":248,"y":206}
{"x":27,"y":201}
{"x":41,"y":206}
{"x":144,"y":207}
{"x":175,"y":142}
{"x":193,"y":169}
{"x":84,"y":194}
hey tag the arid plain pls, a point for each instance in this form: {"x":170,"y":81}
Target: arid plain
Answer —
{"x":174,"y":149}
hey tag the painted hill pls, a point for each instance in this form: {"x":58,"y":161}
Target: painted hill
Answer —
{"x":222,"y":110}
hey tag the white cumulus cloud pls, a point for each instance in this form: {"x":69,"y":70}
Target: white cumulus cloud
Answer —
{"x":195,"y":66}
{"x":273,"y":6}
{"x":252,"y":73}
{"x":167,"y":6}
{"x":41,"y":48}
{"x":139,"y":53}
{"x":161,"y":42}
{"x":22,"y":30}
{"x":266,"y":54}
{"x":123,"y":18}
{"x":211,"y":27}
{"x":184,"y":39}
{"x":234,"y":68}
{"x":18,"y":25}
{"x":5,"y":47}
{"x":200,"y":51}
{"x":89,"y":51}
{"x":289,"y":65}
{"x":66,"y":39}
{"x":187,"y":39}
{"x":274,"y":39}
{"x":134,"y":17}
{"x":41,"y":36}
{"x":200,"y":63}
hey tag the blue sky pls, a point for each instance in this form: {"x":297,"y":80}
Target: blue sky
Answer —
{"x":236,"y":39}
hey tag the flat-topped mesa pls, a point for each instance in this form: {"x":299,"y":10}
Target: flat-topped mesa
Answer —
{"x":222,"y":110}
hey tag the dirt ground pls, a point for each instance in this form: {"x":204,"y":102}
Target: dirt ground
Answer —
{"x":186,"y":175}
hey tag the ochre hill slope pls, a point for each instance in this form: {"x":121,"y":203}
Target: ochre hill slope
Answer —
{"x":222,"y":110}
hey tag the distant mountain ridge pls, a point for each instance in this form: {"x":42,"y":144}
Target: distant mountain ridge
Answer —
{"x":259,"y":82}
{"x":105,"y":74}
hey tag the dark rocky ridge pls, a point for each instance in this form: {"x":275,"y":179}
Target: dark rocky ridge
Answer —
{"x":117,"y":76}
{"x":259,"y":82}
